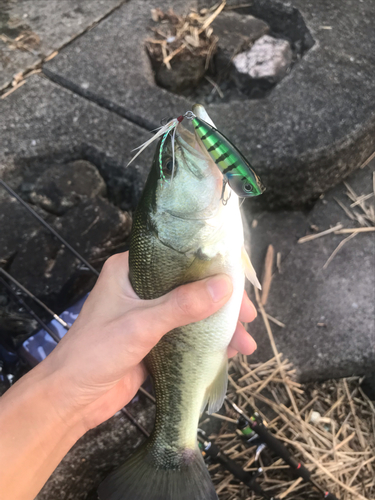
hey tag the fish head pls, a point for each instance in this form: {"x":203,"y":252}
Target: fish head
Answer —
{"x":186,"y":182}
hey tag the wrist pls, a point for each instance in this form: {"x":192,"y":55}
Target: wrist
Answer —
{"x":52,"y":389}
{"x":31,"y":420}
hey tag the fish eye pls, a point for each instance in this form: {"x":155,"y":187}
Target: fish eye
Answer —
{"x":168,"y":166}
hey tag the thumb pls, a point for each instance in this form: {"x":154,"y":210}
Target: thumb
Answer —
{"x":186,"y":304}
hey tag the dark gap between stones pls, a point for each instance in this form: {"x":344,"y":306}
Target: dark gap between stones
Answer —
{"x":265,"y":29}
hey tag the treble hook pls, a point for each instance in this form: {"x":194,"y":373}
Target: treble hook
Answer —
{"x":225,"y":201}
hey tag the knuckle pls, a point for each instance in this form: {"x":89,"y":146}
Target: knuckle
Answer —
{"x":188,"y":303}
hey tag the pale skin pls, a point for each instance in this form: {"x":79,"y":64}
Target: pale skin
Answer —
{"x":96,"y":370}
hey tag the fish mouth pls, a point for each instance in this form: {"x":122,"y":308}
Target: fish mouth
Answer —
{"x":201,"y":166}
{"x":188,"y":144}
{"x":193,"y":216}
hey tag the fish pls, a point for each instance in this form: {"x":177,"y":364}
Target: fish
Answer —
{"x":182,"y":232}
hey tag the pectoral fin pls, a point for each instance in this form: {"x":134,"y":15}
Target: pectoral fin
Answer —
{"x":250,"y":273}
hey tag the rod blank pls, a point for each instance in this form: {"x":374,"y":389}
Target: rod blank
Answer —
{"x":47,"y":226}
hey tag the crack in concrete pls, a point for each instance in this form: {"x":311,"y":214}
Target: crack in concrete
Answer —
{"x":100,"y":101}
{"x":38,"y":65}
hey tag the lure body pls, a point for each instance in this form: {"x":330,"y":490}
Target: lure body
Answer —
{"x":233,"y":165}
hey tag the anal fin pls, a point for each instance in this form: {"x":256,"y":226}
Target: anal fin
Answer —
{"x":250,"y":273}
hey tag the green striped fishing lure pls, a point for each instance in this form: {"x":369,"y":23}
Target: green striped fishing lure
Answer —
{"x":236,"y":170}
{"x":233,"y":165}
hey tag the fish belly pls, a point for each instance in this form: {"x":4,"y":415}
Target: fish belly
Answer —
{"x":188,"y":367}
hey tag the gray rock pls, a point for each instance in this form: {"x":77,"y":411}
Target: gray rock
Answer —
{"x":236,"y":34}
{"x":94,"y":227}
{"x":50,"y":134}
{"x":12,"y":217}
{"x":61,"y":187}
{"x":314,"y":128}
{"x":33,"y":30}
{"x":266,"y":63}
{"x":328,"y":313}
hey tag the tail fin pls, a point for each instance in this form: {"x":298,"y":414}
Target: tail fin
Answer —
{"x":140,"y":479}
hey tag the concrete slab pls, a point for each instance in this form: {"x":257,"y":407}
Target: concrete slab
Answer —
{"x":315,"y":127}
{"x":42,"y":123}
{"x":329,"y":313}
{"x":30,"y":31}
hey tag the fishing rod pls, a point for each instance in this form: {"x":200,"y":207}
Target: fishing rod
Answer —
{"x":29,"y":310}
{"x":210,"y":449}
{"x":47,"y":226}
{"x":251,"y":426}
{"x":38,"y":301}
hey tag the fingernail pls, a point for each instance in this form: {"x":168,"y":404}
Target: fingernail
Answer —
{"x":254,"y":310}
{"x":219,"y":287}
{"x":254,"y":346}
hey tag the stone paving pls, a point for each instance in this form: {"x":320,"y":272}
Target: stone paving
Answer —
{"x":96,"y":454}
{"x":96,"y":102}
{"x":315,"y":127}
{"x":32,"y":31}
{"x":329,"y":314}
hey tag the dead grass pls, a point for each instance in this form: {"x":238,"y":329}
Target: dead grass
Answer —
{"x":186,"y":36}
{"x":329,"y":426}
{"x":357,"y":211}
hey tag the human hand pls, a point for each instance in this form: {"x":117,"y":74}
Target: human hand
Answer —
{"x":97,"y":368}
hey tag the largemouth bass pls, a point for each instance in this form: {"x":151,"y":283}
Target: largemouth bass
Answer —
{"x":182,"y":232}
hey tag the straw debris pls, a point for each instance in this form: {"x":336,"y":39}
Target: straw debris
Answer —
{"x":328,"y":426}
{"x":365,"y":218}
{"x":184,"y":36}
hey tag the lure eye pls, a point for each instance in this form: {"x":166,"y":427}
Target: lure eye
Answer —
{"x":169,"y":166}
{"x":248,"y":188}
